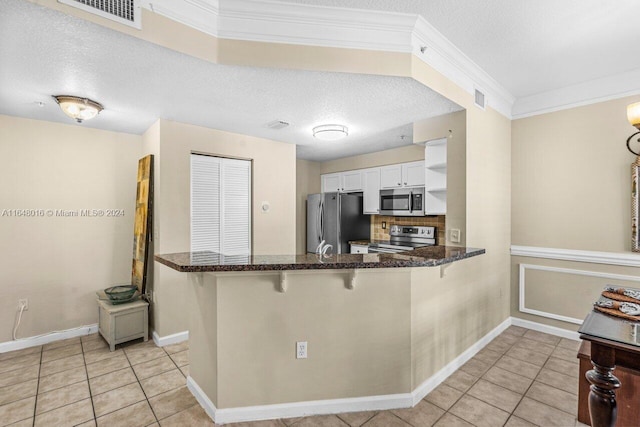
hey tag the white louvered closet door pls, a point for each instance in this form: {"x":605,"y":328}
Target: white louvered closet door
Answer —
{"x":236,"y":206}
{"x":220,"y":205}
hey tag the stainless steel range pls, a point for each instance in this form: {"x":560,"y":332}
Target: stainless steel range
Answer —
{"x":405,"y":238}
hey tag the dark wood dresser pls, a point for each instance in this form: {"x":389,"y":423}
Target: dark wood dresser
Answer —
{"x":611,"y":343}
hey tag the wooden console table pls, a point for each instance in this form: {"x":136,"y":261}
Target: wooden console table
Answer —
{"x":613,"y":342}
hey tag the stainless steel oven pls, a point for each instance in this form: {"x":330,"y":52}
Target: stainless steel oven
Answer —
{"x":402,"y":202}
{"x":405,"y":238}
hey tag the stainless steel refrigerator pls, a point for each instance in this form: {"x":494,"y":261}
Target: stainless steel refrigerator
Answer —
{"x":337,"y":219}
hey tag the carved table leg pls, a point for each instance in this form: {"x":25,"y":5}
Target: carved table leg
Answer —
{"x":602,"y":398}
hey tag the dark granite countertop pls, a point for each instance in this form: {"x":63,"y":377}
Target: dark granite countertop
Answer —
{"x":428,"y":256}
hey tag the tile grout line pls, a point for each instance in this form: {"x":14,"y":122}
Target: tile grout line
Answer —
{"x":534,"y":380}
{"x":140,"y":384}
{"x":86,"y":371}
{"x":35,"y":403}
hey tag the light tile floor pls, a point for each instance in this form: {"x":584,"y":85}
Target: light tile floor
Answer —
{"x":522,"y":378}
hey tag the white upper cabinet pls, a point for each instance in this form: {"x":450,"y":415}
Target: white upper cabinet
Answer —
{"x":352,"y":181}
{"x":413,"y":174}
{"x":391,"y":176}
{"x":371,"y":181}
{"x":331,"y":182}
{"x":348,"y":181}
{"x":371,"y":191}
{"x":402,"y":175}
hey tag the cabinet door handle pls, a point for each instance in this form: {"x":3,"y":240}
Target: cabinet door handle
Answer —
{"x":405,"y":183}
{"x":399,"y":183}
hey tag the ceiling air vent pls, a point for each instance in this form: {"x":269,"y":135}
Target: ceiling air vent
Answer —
{"x":277,"y":124}
{"x":480,"y":99}
{"x":123,"y":11}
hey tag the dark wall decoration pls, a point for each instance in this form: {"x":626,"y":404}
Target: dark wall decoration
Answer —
{"x":142,"y":227}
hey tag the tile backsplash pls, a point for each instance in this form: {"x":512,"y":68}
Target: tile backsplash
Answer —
{"x":377,"y":233}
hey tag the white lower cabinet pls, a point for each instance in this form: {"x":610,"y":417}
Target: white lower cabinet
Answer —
{"x":359,"y":249}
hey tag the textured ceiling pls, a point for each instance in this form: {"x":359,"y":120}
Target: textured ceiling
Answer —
{"x":530,"y":46}
{"x":42,"y":54}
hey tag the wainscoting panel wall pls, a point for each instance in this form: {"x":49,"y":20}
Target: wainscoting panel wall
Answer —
{"x":558,"y":287}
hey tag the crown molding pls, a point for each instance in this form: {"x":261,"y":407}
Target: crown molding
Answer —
{"x":273,"y":21}
{"x":202,"y":15}
{"x":591,"y":92}
{"x":446,"y":58}
{"x":277,"y":22}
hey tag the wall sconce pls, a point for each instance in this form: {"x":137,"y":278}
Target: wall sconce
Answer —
{"x":633,"y":115}
{"x":77,"y":108}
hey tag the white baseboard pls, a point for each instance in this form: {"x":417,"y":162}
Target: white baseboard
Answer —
{"x":169,"y":339}
{"x":297,"y":409}
{"x":21,"y":343}
{"x":433,"y":381}
{"x":560,"y":332}
{"x":336,"y":406}
{"x":202,"y":398}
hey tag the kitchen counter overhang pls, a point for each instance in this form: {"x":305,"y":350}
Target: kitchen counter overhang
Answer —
{"x":429,"y":256}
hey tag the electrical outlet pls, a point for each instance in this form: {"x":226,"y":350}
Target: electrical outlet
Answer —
{"x":454,"y":235}
{"x":23,"y":303}
{"x":384,"y":225}
{"x":301,"y":350}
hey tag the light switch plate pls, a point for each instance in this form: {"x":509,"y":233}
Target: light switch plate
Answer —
{"x":454,"y":235}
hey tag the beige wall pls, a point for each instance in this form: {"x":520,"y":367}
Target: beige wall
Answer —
{"x":571,"y":190}
{"x":350,"y":333}
{"x":58,"y":263}
{"x":572,"y":179}
{"x":439,"y":127}
{"x":273,"y":181}
{"x":307,"y":182}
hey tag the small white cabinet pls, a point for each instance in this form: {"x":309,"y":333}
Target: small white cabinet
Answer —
{"x":371,"y":191}
{"x":124,"y":322}
{"x":402,"y":175}
{"x":359,"y":249}
{"x":348,"y":181}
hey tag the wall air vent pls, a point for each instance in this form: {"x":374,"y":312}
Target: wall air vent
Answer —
{"x":123,"y":11}
{"x":480,"y":99}
{"x":277,"y":124}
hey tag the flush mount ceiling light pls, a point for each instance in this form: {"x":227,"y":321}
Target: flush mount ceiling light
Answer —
{"x":77,"y":108}
{"x":330,"y":132}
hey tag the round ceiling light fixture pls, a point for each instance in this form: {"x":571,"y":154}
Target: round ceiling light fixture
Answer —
{"x":79,"y":109}
{"x":330,"y":132}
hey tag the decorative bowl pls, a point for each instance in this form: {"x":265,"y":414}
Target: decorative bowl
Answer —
{"x":121,"y":292}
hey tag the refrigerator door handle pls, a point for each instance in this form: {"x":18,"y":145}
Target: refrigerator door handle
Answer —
{"x":318,"y":220}
{"x":321,"y":220}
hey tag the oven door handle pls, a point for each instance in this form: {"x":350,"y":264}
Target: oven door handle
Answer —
{"x":382,"y":250}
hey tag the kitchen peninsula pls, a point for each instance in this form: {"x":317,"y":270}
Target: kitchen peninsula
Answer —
{"x":376,"y":329}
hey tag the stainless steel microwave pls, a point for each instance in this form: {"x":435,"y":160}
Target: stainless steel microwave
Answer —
{"x":402,"y":202}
